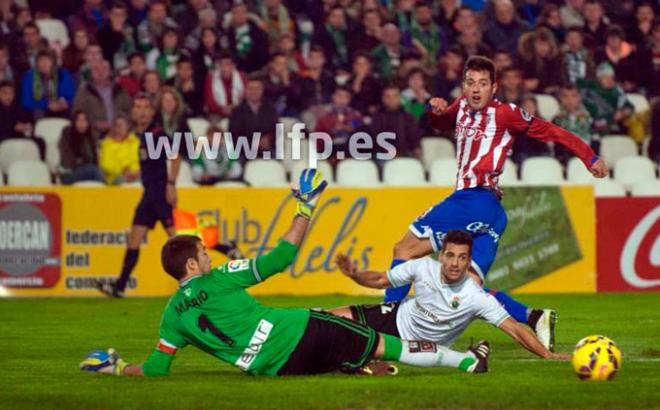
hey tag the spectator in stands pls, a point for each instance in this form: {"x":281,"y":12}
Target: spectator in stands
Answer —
{"x":190,"y":91}
{"x":204,"y":57}
{"x":653,"y":51}
{"x":73,"y":55}
{"x":189,"y":18}
{"x":392,"y":118}
{"x":211,"y":170}
{"x":464,"y":19}
{"x":78,"y":159}
{"x":254,"y":114}
{"x":571,"y":14}
{"x":416,"y":95}
{"x":164,"y":58}
{"x":427,"y":34}
{"x":276,"y":19}
{"x":577,"y":63}
{"x":137,"y":12}
{"x":510,"y":88}
{"x":282,"y":86}
{"x":502,"y":59}
{"x":640,"y":33}
{"x":333,"y":37}
{"x":93,"y":56}
{"x":225,"y":87}
{"x":470,"y":42}
{"x":364,"y":86}
{"x":450,"y":73}
{"x":24,"y":52}
{"x":404,"y":15}
{"x":117,"y":38}
{"x":525,"y":146}
{"x":101,"y":100}
{"x":132,"y":81}
{"x":654,"y":145}
{"x":248,"y":42}
{"x":16,"y":122}
{"x":574,"y":117}
{"x":208,"y":19}
{"x":90,"y":18}
{"x":6,"y":72}
{"x":606,"y":101}
{"x":118,"y":153}
{"x":151,"y":30}
{"x":318,"y":82}
{"x":286,"y":44}
{"x":550,"y":19}
{"x":151,"y":84}
{"x":595,"y":25}
{"x":505,"y":30}
{"x":170,"y":112}
{"x":47,"y":90}
{"x":540,"y":62}
{"x":622,"y":57}
{"x":387,"y":56}
{"x":367,"y":36}
{"x":340,"y":122}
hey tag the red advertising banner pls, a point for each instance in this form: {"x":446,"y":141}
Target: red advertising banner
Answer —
{"x":30,"y":240}
{"x":628,"y":246}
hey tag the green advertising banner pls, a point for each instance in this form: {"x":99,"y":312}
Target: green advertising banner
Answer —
{"x":539,"y":238}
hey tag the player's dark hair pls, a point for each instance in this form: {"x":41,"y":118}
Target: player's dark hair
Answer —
{"x":480,"y":63}
{"x":7,"y":83}
{"x":176,"y":252}
{"x":457,"y":237}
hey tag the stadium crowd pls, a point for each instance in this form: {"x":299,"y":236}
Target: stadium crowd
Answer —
{"x":339,"y":66}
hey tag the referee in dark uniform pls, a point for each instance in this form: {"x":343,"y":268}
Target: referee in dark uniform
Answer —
{"x":158,"y":198}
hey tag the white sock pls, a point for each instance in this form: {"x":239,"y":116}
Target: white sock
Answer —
{"x":428,"y":354}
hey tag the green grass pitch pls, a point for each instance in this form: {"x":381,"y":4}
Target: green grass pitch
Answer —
{"x":43,"y":340}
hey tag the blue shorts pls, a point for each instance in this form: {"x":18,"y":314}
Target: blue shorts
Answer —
{"x":476,"y":210}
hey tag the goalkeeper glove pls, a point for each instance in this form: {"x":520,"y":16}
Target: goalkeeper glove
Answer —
{"x":308,"y":191}
{"x":100,"y":361}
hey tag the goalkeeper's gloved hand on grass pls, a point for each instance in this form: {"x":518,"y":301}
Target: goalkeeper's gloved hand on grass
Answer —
{"x":100,"y":361}
{"x":308,"y":191}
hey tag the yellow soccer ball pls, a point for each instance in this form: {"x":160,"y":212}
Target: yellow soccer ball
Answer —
{"x":596,"y":358}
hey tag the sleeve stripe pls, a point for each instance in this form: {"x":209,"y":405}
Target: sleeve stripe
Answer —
{"x":255,"y":270}
{"x":166,"y":347}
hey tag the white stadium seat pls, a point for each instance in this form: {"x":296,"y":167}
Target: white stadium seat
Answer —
{"x":54,"y":31}
{"x":199,"y":126}
{"x":89,"y":184}
{"x":639,"y":101}
{"x":18,"y":149}
{"x":509,"y":174}
{"x":50,"y":129}
{"x":353,"y":172}
{"x":650,"y":187}
{"x":443,"y":172}
{"x":436,"y":148}
{"x":613,"y":147}
{"x":29,"y":173}
{"x":303,"y":154}
{"x":404,"y":172}
{"x":548,"y":106}
{"x":577,"y":173}
{"x":230,"y":184}
{"x":2,"y":179}
{"x":265,"y":173}
{"x":323,"y":166}
{"x":542,"y":170}
{"x":607,"y":188}
{"x":630,"y":170}
{"x":185,"y":177}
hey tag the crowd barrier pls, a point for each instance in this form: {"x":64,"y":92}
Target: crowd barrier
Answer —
{"x":59,"y":241}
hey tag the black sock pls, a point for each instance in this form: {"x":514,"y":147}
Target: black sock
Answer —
{"x":130,"y":260}
{"x":534,"y":317}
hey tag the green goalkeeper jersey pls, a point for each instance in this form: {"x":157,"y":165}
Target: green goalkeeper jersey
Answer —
{"x":215,"y":313}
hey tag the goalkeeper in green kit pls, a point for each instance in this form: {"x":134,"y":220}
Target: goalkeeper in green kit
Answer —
{"x":212,"y":311}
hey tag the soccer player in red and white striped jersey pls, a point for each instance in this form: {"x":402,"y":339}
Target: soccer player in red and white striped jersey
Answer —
{"x":484,"y":130}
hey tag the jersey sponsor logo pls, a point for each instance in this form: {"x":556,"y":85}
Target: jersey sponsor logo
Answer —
{"x":483,"y":228}
{"x":421,"y":347}
{"x":464,"y":132}
{"x":631,"y":256}
{"x":525,"y":115}
{"x":238,"y":264}
{"x":254,"y":347}
{"x":196,"y":301}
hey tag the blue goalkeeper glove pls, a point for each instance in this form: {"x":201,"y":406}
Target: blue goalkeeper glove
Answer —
{"x":308,"y":191}
{"x":100,"y":361}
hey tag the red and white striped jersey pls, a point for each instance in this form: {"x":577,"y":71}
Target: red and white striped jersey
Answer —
{"x":484,"y":139}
